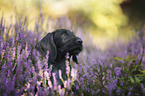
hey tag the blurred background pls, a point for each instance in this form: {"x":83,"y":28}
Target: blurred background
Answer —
{"x":105,"y":21}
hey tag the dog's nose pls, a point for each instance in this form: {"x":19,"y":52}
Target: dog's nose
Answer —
{"x":79,"y":41}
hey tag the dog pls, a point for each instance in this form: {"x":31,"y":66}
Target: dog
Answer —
{"x":59,"y":43}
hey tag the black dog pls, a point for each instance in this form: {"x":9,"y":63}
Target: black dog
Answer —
{"x":59,"y":43}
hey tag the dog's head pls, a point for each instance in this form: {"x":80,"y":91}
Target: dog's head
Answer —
{"x":58,"y":43}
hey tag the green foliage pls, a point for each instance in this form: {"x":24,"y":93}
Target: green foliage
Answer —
{"x":131,"y":77}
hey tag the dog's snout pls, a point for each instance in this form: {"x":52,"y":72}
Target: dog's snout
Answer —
{"x":79,"y":41}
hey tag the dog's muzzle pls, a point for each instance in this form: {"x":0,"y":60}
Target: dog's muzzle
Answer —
{"x":76,"y":48}
{"x":79,"y":41}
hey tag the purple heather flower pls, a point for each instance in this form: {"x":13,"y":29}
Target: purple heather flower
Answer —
{"x":98,"y":91}
{"x":54,"y":81}
{"x":117,"y":71}
{"x":115,"y":81}
{"x":33,"y":53}
{"x":67,"y":67}
{"x":111,"y":66}
{"x":129,"y":93}
{"x":47,"y":55}
{"x":21,"y":36}
{"x":26,"y":50}
{"x":104,"y":82}
{"x":17,"y":38}
{"x":2,"y":29}
{"x":118,"y":92}
{"x":18,"y":52}
{"x":142,"y":87}
{"x":121,"y":82}
{"x":61,"y":91}
{"x":67,"y":83}
{"x":111,"y":87}
{"x":4,"y":45}
{"x":1,"y":45}
{"x":3,"y":52}
{"x":74,"y":73}
{"x":13,"y":53}
{"x":60,"y":74}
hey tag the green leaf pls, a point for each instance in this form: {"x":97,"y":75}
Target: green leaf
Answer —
{"x":131,"y":79}
{"x":143,"y":71}
{"x":137,"y":80}
{"x":128,"y":58}
{"x":118,"y":58}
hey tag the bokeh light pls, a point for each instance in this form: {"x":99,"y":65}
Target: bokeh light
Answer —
{"x":103,"y":20}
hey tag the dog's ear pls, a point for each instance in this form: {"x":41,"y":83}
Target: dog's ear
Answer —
{"x":47,"y":44}
{"x":75,"y":59}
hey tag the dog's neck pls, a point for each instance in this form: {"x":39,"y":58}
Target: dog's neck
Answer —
{"x":60,"y":61}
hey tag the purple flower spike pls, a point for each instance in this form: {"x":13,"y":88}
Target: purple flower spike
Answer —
{"x":142,"y":87}
{"x":55,"y":81}
{"x":117,"y":71}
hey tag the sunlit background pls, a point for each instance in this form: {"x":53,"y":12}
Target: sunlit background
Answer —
{"x":104,"y":20}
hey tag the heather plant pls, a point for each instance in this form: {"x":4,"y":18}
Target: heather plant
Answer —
{"x":130,"y":78}
{"x":23,"y":71}
{"x":118,"y":71}
{"x":113,"y":72}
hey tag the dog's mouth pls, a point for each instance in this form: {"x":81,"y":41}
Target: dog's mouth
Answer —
{"x":75,"y":50}
{"x":72,"y":49}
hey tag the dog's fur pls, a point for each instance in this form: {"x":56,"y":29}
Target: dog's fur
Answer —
{"x":59,"y":43}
